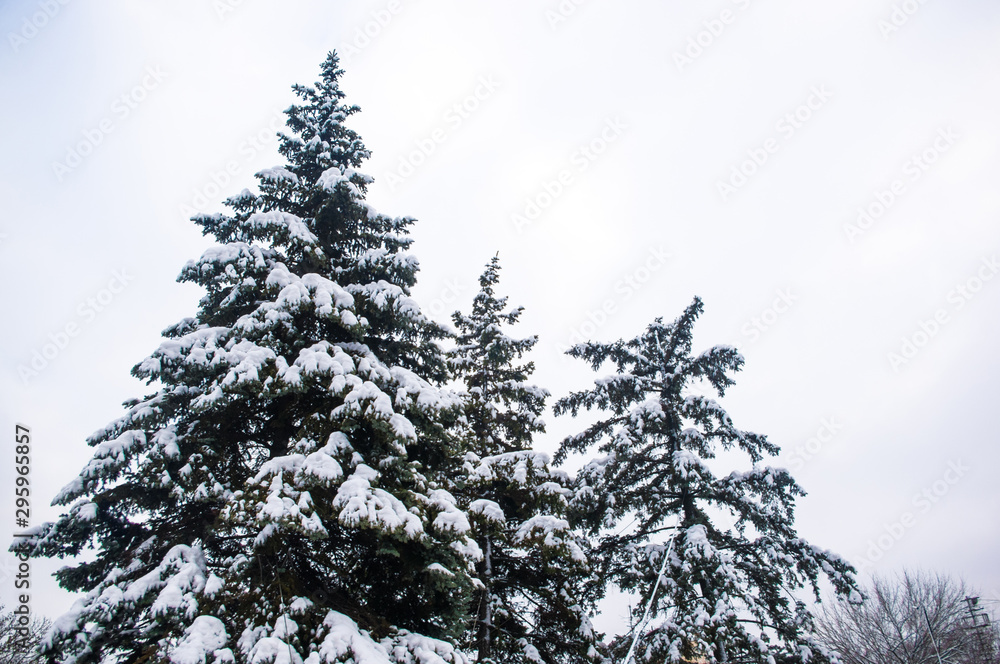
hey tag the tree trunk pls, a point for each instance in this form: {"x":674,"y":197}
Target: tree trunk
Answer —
{"x":485,"y":632}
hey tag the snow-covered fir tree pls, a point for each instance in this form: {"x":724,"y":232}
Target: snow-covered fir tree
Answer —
{"x":531,"y":605}
{"x":279,"y":497}
{"x":733,"y":561}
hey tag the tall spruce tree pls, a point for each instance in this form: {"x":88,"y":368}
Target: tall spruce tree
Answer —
{"x":278,"y":498}
{"x":532,"y":601}
{"x":733,"y":561}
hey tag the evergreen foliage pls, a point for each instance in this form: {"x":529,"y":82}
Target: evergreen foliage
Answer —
{"x":531,"y":603}
{"x":301,"y":487}
{"x":735,"y":560}
{"x":279,"y":497}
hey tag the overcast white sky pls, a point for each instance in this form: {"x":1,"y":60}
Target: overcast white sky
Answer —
{"x":627,"y":124}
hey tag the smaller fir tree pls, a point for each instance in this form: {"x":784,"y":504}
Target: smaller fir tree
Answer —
{"x":652,"y":498}
{"x":530,"y":605}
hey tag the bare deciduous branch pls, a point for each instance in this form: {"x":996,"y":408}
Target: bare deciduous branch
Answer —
{"x":914,"y":618}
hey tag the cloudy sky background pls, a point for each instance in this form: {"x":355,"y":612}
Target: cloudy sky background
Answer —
{"x":159,"y":100}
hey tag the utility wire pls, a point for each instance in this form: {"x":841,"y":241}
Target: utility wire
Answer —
{"x":649,"y":604}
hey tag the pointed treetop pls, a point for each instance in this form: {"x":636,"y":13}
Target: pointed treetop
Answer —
{"x":319,"y":125}
{"x":486,"y":359}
